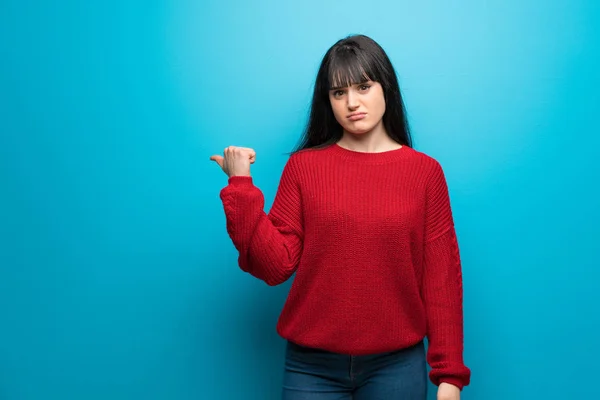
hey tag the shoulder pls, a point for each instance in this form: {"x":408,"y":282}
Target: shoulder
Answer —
{"x":426,"y":162}
{"x":296,"y":164}
{"x":305,"y":157}
{"x":309,"y":153}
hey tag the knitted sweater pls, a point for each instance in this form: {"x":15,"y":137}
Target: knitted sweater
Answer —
{"x":371,"y":240}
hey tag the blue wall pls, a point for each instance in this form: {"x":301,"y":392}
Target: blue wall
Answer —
{"x":117,"y":277}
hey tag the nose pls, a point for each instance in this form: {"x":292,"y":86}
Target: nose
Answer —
{"x":352,"y":100}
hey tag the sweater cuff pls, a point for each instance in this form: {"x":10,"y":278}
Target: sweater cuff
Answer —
{"x":240,"y":180}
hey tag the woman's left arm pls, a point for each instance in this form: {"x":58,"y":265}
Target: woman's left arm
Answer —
{"x":442,"y":291}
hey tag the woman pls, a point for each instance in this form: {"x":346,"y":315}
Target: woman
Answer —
{"x":364,"y":221}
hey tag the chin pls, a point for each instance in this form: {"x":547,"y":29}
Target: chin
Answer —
{"x":359,"y":131}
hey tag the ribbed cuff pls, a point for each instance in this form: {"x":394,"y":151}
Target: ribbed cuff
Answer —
{"x":237,"y":180}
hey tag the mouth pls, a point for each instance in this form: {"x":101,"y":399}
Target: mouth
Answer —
{"x":357,"y":116}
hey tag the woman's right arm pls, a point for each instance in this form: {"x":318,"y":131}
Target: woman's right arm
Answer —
{"x":269,"y":245}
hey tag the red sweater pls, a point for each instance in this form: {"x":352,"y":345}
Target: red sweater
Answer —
{"x":371,"y":240}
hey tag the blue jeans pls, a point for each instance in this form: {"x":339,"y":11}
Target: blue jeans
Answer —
{"x":312,"y":374}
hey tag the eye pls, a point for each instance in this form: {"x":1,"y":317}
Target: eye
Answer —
{"x":364,"y":87}
{"x":338,"y":93}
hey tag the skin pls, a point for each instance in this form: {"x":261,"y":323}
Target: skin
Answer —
{"x":366,"y":134}
{"x":235,"y":160}
{"x":447,"y":391}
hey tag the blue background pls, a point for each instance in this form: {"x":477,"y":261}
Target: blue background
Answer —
{"x":117,"y":277}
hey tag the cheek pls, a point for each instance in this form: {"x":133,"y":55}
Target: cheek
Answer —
{"x":382,"y":108}
{"x":377,"y":108}
{"x":338,"y":111}
{"x":382,"y":103}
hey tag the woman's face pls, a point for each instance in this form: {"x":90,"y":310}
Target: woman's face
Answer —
{"x":358,"y":108}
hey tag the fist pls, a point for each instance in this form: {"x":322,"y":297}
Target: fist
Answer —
{"x":235,"y":161}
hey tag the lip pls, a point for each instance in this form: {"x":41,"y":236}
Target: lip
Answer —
{"x":357,"y":116}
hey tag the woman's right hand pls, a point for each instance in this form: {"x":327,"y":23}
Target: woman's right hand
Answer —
{"x":235,"y":160}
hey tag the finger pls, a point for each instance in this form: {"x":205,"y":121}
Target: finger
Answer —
{"x":251,"y":153}
{"x":218,"y":159}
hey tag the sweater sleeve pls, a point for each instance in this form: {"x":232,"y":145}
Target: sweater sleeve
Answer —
{"x":442,"y":287}
{"x":269,"y":245}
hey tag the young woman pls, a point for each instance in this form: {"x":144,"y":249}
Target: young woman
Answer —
{"x":364,"y":221}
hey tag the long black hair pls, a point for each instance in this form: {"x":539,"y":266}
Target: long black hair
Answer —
{"x":352,"y":60}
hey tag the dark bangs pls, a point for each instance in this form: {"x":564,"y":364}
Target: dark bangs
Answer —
{"x":350,"y":66}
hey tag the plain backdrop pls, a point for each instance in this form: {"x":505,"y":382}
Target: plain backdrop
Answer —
{"x":117,"y":277}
